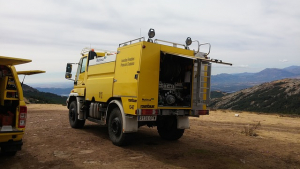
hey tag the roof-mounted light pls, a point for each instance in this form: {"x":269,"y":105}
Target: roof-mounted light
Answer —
{"x":188,"y":41}
{"x":151,"y":33}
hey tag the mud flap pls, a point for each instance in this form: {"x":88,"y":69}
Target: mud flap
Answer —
{"x":130,"y":123}
{"x":183,"y":122}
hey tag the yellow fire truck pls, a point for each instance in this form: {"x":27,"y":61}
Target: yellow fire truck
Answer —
{"x":13,"y":111}
{"x":153,"y":83}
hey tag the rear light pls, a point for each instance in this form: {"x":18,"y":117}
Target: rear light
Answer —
{"x":202,"y":112}
{"x":146,"y":112}
{"x":22,"y":116}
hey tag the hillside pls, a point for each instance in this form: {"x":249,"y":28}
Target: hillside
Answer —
{"x":58,"y":91}
{"x":34,"y":96}
{"x":217,"y":94}
{"x":281,"y":96}
{"x":235,"y":82}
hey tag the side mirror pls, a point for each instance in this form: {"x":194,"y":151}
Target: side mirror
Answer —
{"x":69,"y":68}
{"x":68,"y":75}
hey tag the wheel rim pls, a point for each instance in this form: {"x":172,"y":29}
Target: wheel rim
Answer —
{"x":72,"y":114}
{"x":116,"y":126}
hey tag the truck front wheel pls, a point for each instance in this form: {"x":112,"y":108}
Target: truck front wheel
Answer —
{"x":167,"y":128}
{"x":115,"y":128}
{"x":73,"y":116}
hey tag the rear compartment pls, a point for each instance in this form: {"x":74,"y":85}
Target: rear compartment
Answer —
{"x":9,"y":100}
{"x":175,"y":81}
{"x":13,"y":110}
{"x":12,"y":122}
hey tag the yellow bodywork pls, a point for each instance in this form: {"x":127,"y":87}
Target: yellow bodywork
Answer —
{"x":130,"y":77}
{"x":99,"y":83}
{"x":30,"y":72}
{"x":4,"y":60}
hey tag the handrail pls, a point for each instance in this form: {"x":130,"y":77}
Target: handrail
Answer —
{"x":173,"y":43}
{"x":201,"y":45}
{"x":198,"y":44}
{"x":87,"y":49}
{"x":125,"y":43}
{"x":215,"y":61}
{"x":205,"y":44}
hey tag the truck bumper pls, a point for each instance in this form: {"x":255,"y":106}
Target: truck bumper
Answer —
{"x":11,"y":145}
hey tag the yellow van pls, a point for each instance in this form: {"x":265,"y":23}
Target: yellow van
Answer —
{"x":13,"y":110}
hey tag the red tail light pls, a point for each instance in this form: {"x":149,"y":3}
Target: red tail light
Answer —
{"x":202,"y":112}
{"x":146,"y":112}
{"x":22,"y":116}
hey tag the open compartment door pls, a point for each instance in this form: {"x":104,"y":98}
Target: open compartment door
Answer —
{"x":201,"y":87}
{"x":30,"y":72}
{"x":4,"y":60}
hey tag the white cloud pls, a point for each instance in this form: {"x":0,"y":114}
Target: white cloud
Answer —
{"x":283,"y":60}
{"x":52,"y":33}
{"x":243,"y":66}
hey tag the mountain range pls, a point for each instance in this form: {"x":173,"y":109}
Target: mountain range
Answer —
{"x":281,"y":96}
{"x":235,"y":82}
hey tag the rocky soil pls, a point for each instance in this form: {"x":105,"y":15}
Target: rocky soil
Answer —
{"x":219,"y":140}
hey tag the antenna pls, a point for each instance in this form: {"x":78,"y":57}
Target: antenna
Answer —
{"x":23,"y":80}
{"x":140,"y":32}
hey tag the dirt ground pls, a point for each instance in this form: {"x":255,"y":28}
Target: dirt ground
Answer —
{"x":214,"y":141}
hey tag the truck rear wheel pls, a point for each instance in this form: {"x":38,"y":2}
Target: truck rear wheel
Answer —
{"x":73,"y":116}
{"x":167,"y":128}
{"x":115,"y":128}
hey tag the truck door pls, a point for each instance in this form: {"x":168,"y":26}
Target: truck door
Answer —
{"x":80,"y":79}
{"x":80,"y":75}
{"x":127,"y":71}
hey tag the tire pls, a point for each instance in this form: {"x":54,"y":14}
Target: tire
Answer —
{"x":167,"y":128}
{"x":73,"y":116}
{"x":115,"y":128}
{"x":8,"y":153}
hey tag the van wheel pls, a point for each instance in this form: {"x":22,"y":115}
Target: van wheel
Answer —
{"x":167,"y":128}
{"x":8,"y":153}
{"x":115,"y":128}
{"x":73,"y":116}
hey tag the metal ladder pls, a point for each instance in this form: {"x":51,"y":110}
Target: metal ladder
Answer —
{"x":201,"y":89}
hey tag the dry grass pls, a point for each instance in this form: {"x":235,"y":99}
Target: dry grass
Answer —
{"x":250,"y":130}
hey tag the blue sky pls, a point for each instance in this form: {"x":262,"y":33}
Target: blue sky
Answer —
{"x":253,"y":35}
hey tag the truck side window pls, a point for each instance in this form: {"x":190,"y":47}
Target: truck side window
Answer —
{"x":83,"y":65}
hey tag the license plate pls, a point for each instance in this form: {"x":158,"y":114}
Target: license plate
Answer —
{"x":146,"y":118}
